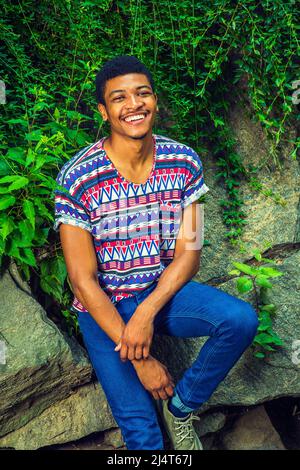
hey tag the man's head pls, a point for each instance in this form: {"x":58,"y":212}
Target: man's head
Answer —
{"x":125,"y":96}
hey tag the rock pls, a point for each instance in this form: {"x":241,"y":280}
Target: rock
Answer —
{"x":253,"y":431}
{"x":210,"y":423}
{"x":207,"y":442}
{"x":251,"y":381}
{"x":114,"y":438}
{"x":42,"y":366}
{"x":83,"y":412}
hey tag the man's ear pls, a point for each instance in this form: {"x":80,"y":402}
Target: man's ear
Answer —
{"x":102,"y":111}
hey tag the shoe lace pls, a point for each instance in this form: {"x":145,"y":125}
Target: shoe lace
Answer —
{"x":185,"y":428}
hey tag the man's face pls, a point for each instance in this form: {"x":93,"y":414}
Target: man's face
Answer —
{"x":130,"y":105}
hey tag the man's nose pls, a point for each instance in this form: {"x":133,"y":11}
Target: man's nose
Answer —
{"x":134,"y":101}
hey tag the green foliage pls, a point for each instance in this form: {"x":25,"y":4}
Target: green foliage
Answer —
{"x":256,"y":279}
{"x":199,"y":52}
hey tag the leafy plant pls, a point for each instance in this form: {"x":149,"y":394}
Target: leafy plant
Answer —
{"x":257,"y":279}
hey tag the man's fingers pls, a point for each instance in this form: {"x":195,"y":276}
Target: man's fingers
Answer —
{"x":145,"y":352}
{"x":123,"y":352}
{"x":155,"y":395}
{"x":162,"y":394}
{"x":169,"y":390}
{"x":131,"y":353}
{"x":138,"y":352}
{"x":118,"y":347}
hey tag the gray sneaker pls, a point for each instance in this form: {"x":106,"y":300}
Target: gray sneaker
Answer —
{"x":180,"y":430}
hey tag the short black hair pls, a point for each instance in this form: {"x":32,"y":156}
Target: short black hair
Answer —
{"x":120,"y":65}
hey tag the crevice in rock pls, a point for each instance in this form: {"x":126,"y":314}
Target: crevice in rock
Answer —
{"x":280,"y":251}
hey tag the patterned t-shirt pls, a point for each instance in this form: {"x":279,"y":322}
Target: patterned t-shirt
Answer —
{"x":133,"y":225}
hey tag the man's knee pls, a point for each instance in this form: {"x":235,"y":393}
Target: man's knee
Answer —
{"x":241,"y":320}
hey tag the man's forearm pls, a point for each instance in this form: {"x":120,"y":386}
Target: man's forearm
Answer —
{"x":179,"y":271}
{"x":101,"y":308}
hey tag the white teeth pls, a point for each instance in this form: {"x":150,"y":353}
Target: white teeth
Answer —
{"x":134,"y":118}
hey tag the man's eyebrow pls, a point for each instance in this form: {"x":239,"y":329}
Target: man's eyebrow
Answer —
{"x":122,"y":91}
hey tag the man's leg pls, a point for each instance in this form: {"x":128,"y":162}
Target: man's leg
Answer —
{"x":131,"y":404}
{"x":201,"y":310}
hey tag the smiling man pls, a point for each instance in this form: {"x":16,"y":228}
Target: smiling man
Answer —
{"x":132,"y":233}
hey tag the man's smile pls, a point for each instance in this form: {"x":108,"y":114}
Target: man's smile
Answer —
{"x":135,"y":119}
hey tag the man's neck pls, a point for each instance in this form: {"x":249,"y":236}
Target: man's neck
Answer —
{"x":135,"y":152}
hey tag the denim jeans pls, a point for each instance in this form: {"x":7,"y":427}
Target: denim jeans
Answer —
{"x":195,"y":310}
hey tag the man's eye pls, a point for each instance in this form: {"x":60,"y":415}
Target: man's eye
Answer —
{"x":117,"y":98}
{"x":145,"y":93}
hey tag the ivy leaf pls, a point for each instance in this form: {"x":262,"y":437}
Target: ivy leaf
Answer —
{"x":29,"y":211}
{"x":20,"y":182}
{"x":30,"y":157}
{"x":270,"y":308}
{"x":257,"y":254}
{"x":263,"y":281}
{"x":6,"y":201}
{"x":14,"y":250}
{"x":7,"y":226}
{"x":264,"y":338}
{"x":9,"y":179}
{"x":4,"y":168}
{"x":28,"y":257}
{"x":260,"y":355}
{"x":16,"y":154}
{"x":234,"y":272}
{"x":42,"y":209}
{"x":244,"y":284}
{"x":27,"y":233}
{"x":246,"y":269}
{"x":271,"y":272}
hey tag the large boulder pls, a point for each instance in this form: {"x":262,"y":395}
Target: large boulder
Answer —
{"x":83,"y":412}
{"x":41,"y":365}
{"x":251,"y":380}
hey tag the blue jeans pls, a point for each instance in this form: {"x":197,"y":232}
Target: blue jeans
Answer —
{"x":195,"y":310}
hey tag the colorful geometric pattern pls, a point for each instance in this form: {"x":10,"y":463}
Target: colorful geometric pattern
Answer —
{"x":133,"y":226}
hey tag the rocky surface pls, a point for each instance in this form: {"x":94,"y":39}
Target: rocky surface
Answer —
{"x":252,"y":431}
{"x":83,"y":412}
{"x":251,"y":381}
{"x":42,"y":366}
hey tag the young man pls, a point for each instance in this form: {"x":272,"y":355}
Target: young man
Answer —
{"x":132,"y":233}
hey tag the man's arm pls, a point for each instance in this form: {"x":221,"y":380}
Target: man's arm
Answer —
{"x":184,"y":266}
{"x":81,"y":265}
{"x":81,"y":262}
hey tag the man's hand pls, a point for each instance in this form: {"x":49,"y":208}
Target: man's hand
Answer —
{"x":136,"y":338}
{"x":155,"y":377}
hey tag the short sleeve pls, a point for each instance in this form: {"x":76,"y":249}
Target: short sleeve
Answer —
{"x":68,"y":210}
{"x":194,"y":184}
